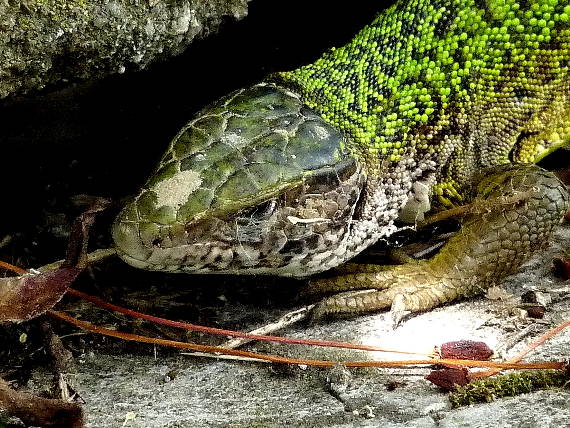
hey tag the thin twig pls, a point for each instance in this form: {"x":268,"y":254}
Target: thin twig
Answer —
{"x":286,"y":320}
{"x":532,"y":329}
{"x":211,"y":330}
{"x":39,"y":411}
{"x":232,"y":333}
{"x":93,"y":257}
{"x":223,"y":357}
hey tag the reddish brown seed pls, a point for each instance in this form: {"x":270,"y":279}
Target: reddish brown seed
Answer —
{"x":466,"y":350}
{"x":449,"y":378}
{"x":536,"y":312}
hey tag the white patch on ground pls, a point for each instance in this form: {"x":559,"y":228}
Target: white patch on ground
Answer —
{"x":174,"y":191}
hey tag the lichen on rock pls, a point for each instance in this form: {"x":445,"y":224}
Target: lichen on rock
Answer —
{"x":47,"y":42}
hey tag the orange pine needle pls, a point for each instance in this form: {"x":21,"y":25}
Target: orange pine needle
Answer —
{"x":535,"y":344}
{"x":13,"y":268}
{"x":496,"y":366}
{"x":286,"y":360}
{"x":223,"y":332}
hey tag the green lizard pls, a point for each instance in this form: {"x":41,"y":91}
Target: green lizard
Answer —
{"x":435,"y":103}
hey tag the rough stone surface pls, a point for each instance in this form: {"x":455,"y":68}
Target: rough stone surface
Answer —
{"x":104,"y":139}
{"x":158,"y":388}
{"x":46,"y":42}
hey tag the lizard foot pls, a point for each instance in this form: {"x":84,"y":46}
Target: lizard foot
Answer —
{"x":412,"y":287}
{"x":489,"y":246}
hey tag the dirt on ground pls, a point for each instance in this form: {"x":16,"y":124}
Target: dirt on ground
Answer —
{"x":102,"y":139}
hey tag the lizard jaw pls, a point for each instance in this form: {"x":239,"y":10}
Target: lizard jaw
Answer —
{"x":301,"y":232}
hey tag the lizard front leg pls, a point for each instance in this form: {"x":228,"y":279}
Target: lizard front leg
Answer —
{"x":488,"y":247}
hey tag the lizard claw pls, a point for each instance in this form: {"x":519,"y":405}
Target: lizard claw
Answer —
{"x":318,"y":313}
{"x":398,"y":310}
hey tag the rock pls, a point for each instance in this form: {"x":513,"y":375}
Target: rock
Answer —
{"x":47,"y":42}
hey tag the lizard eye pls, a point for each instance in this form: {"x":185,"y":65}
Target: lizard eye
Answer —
{"x":261,"y":211}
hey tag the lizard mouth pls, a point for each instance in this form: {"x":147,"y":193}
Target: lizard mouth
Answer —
{"x":298,"y":233}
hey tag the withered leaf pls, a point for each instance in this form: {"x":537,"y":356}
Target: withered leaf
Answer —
{"x":449,"y":378}
{"x":27,"y":296}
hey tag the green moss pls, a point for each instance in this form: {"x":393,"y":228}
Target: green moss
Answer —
{"x":487,"y":390}
{"x":59,"y":10}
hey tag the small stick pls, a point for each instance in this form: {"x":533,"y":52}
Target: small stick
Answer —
{"x":38,"y":411}
{"x":286,"y":320}
{"x":92,"y":257}
{"x":223,"y":357}
{"x":517,"y":338}
{"x":224,"y":332}
{"x":546,"y":336}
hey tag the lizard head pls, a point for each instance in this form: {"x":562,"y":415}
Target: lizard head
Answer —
{"x":256,"y":183}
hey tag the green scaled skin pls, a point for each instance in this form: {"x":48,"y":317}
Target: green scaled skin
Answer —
{"x":452,"y":76}
{"x":439,"y":102}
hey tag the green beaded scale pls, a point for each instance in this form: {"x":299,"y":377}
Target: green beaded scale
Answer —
{"x":425,"y":73}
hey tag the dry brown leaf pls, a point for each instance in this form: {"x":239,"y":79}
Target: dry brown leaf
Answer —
{"x":27,"y":296}
{"x":37,"y":411}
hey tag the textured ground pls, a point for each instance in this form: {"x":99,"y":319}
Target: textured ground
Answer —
{"x":103,"y":138}
{"x":142,"y":386}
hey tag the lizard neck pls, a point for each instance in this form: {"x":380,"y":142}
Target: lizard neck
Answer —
{"x":453,"y":84}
